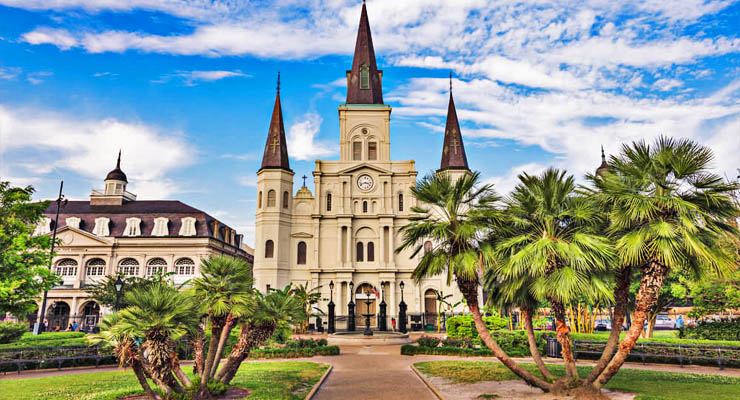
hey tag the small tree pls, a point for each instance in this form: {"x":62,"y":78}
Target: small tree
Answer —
{"x":24,"y":258}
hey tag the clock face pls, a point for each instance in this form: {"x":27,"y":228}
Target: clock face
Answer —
{"x":365,"y":182}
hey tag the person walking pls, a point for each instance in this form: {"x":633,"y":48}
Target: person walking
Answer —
{"x":393,"y":324}
{"x":75,"y":326}
{"x":679,"y":322}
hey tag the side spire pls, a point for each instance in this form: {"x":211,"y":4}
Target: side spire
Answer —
{"x":276,"y":148}
{"x":364,"y":80}
{"x":453,"y":150}
{"x":604,"y":167}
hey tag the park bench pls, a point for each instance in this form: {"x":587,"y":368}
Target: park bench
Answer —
{"x":683,"y":353}
{"x":22,"y":356}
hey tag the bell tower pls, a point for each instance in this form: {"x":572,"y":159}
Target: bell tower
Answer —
{"x":274,"y":205}
{"x":364,"y":121}
{"x":454,"y":160}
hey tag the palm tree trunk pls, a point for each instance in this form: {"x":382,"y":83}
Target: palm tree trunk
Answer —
{"x":198,"y":343}
{"x":212,"y":345}
{"x":533,"y":349}
{"x":179,"y":373}
{"x":651,"y":323}
{"x":652,"y":281}
{"x":621,"y":298}
{"x":225,"y":333}
{"x":141,"y":377}
{"x":250,"y":337}
{"x":563,"y":335}
{"x":470,"y":291}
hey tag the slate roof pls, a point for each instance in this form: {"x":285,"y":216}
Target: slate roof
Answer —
{"x":364,"y":54}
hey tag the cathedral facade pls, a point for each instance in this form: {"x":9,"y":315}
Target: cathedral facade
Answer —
{"x":346,"y":232}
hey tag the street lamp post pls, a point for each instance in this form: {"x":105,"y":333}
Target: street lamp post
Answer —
{"x":119,"y":288}
{"x":351,"y":308}
{"x":332,"y":317}
{"x":402,"y":312}
{"x":42,"y":310}
{"x":383,"y":323}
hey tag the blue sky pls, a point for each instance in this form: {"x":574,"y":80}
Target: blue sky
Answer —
{"x":186,"y":88}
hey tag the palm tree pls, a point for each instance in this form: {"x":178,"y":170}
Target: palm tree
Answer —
{"x":308,"y":298}
{"x":160,"y":315}
{"x":224,"y":291}
{"x":125,"y":348}
{"x":270,"y":310}
{"x":667,"y":211}
{"x":441,"y":303}
{"x":456,"y":216}
{"x":554,"y":240}
{"x":515,"y":293}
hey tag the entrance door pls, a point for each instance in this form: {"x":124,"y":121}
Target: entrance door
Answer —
{"x":363,"y":294}
{"x":90,"y":314}
{"x":58,"y":316}
{"x":430,"y":308}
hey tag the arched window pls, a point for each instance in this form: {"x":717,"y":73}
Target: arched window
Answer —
{"x":67,"y":267}
{"x":128,"y":267}
{"x":364,"y":206}
{"x":360,"y":251}
{"x":269,"y":248}
{"x":301,"y":253}
{"x":184,"y":266}
{"x":328,"y":202}
{"x":286,"y":197}
{"x":364,"y":76}
{"x":357,"y":150}
{"x":400,"y":202}
{"x":95,"y":267}
{"x":427,"y":247}
{"x":156,"y":266}
{"x":259,"y":199}
{"x":372,"y":150}
{"x":370,"y":251}
{"x":271,"y":198}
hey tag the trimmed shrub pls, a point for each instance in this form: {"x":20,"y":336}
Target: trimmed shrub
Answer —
{"x":459,"y":343}
{"x":322,"y":342}
{"x":722,"y":329}
{"x":298,"y":352}
{"x":307,"y":343}
{"x":464,"y":326}
{"x":282,"y":332}
{"x":11,"y":331}
{"x":428,"y":341}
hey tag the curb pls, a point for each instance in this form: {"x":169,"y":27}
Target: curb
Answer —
{"x":426,"y":382}
{"x":319,"y":383}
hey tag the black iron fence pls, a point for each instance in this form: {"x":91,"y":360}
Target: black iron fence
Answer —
{"x":18,"y":359}
{"x":657,"y":352}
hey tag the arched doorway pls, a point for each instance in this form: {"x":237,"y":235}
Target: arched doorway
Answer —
{"x":90,"y":314}
{"x":58,"y":316}
{"x":430,"y":308}
{"x":363,"y":294}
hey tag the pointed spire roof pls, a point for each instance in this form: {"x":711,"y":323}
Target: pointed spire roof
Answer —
{"x":117,"y":174}
{"x":453,"y":151}
{"x":276,"y":148}
{"x":364,"y":79}
{"x":604,"y":165}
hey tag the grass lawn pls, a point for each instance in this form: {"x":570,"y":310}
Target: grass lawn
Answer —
{"x":267,"y":380}
{"x":650,"y":385}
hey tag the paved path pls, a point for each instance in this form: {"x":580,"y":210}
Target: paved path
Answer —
{"x":372,"y":372}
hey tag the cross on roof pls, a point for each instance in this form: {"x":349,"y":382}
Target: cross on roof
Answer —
{"x":304,"y":180}
{"x":275,"y":143}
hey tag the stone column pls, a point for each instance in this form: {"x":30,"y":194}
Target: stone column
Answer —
{"x":393,"y":307}
{"x":381,"y":246}
{"x":391,"y":245}
{"x":350,"y":261}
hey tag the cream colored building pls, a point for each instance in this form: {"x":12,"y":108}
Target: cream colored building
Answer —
{"x":348,"y":229}
{"x":114,"y":233}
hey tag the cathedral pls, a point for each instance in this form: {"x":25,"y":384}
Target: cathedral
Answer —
{"x":342,"y":238}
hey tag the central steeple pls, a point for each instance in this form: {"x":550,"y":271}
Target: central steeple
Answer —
{"x":364,"y":80}
{"x":453,"y":150}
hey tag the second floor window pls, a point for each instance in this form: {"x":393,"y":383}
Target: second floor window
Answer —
{"x":360,"y":251}
{"x":328,"y":202}
{"x":269,"y":248}
{"x":372,"y":151}
{"x":356,"y":151}
{"x":301,"y":253}
{"x":95,"y":267}
{"x":400,"y":202}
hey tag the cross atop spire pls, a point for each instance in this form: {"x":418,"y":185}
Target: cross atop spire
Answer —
{"x":603,"y":156}
{"x":453,"y":150}
{"x":118,"y":163}
{"x":276,"y":148}
{"x":364,"y":79}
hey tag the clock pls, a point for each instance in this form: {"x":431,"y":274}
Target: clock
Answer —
{"x":365,"y":182}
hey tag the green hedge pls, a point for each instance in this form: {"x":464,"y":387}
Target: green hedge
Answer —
{"x":47,"y":339}
{"x":299,"y":352}
{"x":600,"y":337}
{"x":410,"y":350}
{"x":461,"y":327}
{"x":11,"y":331}
{"x":724,"y":329}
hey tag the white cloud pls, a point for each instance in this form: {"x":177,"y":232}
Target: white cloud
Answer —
{"x":191,"y":78}
{"x":667,"y":84}
{"x":505,"y":183}
{"x":9,"y":73}
{"x":302,"y":139}
{"x":36,"y":78}
{"x":61,"y":38}
{"x":247,"y":180}
{"x":89,"y":147}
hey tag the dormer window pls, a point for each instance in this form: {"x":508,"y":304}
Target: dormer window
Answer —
{"x":101,"y":226}
{"x":73,"y":222}
{"x":364,"y":76}
{"x":160,"y":227}
{"x":187,"y":227}
{"x":133,"y":227}
{"x":43,"y":227}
